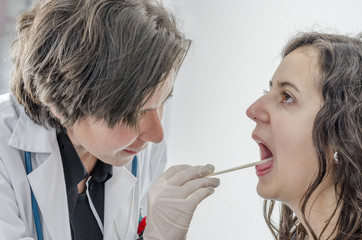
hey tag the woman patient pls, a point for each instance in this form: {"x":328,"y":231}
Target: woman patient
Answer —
{"x":309,"y":124}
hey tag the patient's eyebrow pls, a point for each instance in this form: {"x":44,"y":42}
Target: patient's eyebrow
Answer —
{"x":288,"y":84}
{"x":285,"y":84}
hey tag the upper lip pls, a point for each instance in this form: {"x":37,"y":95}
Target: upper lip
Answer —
{"x":258,"y":139}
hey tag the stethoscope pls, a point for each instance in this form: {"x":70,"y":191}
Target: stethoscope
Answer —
{"x":34,"y":204}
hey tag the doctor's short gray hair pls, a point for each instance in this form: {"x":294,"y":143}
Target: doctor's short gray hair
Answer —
{"x":99,"y":58}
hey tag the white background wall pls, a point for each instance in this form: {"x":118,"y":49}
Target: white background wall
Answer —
{"x":236,"y":49}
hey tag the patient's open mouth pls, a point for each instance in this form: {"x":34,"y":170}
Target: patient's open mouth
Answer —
{"x":265,"y":154}
{"x":264,"y":151}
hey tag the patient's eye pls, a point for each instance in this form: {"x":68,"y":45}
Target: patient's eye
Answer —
{"x":286,"y":97}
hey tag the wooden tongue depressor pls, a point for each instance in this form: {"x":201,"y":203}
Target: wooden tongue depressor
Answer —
{"x":240,"y":167}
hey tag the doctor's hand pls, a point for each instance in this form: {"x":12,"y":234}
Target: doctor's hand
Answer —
{"x":173,"y":199}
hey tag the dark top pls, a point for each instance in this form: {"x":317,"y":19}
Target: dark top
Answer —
{"x":83,"y":223}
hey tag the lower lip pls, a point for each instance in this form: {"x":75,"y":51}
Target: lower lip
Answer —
{"x":263,"y":172}
{"x":130,"y":152}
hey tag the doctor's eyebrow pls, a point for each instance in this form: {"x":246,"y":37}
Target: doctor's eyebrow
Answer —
{"x":284,"y":84}
{"x":168,"y":97}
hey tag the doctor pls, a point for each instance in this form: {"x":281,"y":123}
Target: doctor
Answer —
{"x":81,"y":139}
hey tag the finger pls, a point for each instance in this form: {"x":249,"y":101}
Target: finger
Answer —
{"x":173,"y":170}
{"x":192,"y":186}
{"x":199,"y":195}
{"x":190,"y":173}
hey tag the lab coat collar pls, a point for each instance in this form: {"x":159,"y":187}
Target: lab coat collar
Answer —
{"x":119,"y":192}
{"x":26,"y":136}
{"x":47,"y":177}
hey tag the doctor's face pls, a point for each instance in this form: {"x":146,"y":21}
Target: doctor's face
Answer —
{"x":117,"y":146}
{"x":284,"y":119}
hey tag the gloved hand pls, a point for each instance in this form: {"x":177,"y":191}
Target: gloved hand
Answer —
{"x":173,"y":199}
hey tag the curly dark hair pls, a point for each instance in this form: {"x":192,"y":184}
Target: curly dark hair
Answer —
{"x":337,"y":128}
{"x":99,"y":58}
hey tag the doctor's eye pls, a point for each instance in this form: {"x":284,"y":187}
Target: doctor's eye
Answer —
{"x":286,"y":98}
{"x":141,"y":114}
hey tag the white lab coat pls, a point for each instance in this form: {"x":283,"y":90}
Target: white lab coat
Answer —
{"x":18,"y":134}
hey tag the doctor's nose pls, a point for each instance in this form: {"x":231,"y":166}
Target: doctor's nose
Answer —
{"x":151,"y":129}
{"x":258,"y":111}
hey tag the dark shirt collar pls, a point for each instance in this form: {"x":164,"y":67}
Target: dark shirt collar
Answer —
{"x":102,"y":172}
{"x":74,"y":169}
{"x":74,"y":173}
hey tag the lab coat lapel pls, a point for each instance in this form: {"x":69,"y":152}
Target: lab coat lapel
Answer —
{"x":47,"y":178}
{"x":119,"y":192}
{"x":48,"y":185}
